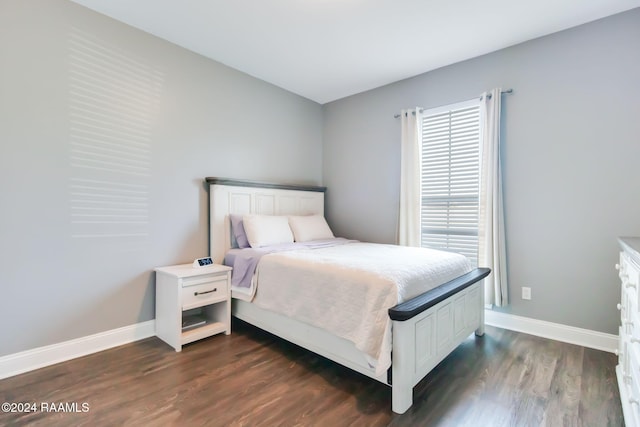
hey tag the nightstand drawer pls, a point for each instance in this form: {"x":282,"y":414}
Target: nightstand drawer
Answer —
{"x":205,"y":293}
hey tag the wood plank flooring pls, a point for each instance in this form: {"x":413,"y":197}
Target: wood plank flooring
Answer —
{"x":252,"y":378}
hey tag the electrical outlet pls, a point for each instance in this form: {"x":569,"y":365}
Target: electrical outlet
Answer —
{"x":526,"y":293}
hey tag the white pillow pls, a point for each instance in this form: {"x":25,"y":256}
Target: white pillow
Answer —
{"x":310,"y":227}
{"x":265,"y":230}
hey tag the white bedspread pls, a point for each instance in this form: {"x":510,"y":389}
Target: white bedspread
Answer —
{"x":348,"y":289}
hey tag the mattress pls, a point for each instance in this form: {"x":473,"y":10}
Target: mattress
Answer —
{"x":347,"y":288}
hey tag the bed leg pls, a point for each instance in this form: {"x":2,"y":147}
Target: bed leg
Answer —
{"x":402,"y":366}
{"x":480,"y":330}
{"x":401,"y":398}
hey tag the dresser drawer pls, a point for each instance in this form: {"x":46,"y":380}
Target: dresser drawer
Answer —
{"x":622,"y":343}
{"x":633,"y":377}
{"x":632,"y":273}
{"x":629,"y":271}
{"x":203,"y":291}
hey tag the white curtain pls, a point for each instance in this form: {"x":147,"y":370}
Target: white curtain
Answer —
{"x":491,"y":236}
{"x":409,"y":216}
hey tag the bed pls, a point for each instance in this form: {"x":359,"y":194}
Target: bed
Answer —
{"x":422,"y":330}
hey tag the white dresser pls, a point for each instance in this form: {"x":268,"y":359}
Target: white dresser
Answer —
{"x":628,"y":369}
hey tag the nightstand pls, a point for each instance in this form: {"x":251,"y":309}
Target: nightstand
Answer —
{"x":192,"y":303}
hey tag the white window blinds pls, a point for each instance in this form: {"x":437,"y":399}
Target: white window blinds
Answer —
{"x":450,"y":178}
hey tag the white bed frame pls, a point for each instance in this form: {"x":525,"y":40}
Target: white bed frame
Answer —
{"x":424,"y":330}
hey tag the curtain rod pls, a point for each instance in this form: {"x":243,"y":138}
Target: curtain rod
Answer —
{"x":397,"y":116}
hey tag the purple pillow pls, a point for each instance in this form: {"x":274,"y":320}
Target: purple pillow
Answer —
{"x":238,"y":231}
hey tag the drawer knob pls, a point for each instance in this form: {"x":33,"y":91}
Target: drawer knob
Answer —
{"x":619,"y":306}
{"x":205,"y":292}
{"x":617,"y":266}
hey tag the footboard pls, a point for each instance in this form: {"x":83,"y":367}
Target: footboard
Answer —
{"x":429,"y":327}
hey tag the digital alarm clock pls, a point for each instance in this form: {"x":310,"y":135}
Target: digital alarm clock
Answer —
{"x":203,"y":262}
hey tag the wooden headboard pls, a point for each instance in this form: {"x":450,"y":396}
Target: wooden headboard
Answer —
{"x":229,"y":196}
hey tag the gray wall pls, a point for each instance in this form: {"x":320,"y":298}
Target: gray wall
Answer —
{"x":571,"y":156}
{"x":571,"y":144}
{"x":199,"y":118}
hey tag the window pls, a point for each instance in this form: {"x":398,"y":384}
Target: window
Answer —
{"x":450,"y":178}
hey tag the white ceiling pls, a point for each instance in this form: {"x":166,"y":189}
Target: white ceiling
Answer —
{"x":328,"y":49}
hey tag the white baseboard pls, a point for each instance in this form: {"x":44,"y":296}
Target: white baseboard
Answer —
{"x":30,"y":360}
{"x":18,"y":363}
{"x":554,"y":331}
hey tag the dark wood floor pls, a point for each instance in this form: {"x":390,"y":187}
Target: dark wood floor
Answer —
{"x":251,"y":378}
